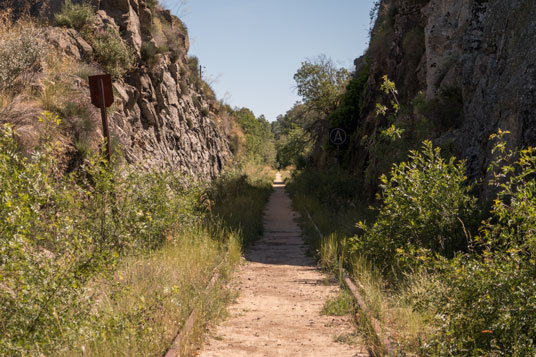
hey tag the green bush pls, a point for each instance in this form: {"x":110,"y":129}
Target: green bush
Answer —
{"x":149,"y":52}
{"x":424,"y":204}
{"x":487,"y":307}
{"x":259,"y":137}
{"x":238,"y":203}
{"x":349,"y":111}
{"x":20,"y":50}
{"x":488,"y":304}
{"x":112,"y":52}
{"x":58,"y":233}
{"x":75,"y":16}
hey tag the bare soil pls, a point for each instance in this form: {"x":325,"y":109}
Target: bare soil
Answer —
{"x":281,"y":295}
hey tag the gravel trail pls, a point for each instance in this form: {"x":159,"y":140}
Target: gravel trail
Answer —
{"x":281,"y":295}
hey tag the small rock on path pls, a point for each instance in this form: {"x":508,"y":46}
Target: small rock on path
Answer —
{"x":278,"y":311}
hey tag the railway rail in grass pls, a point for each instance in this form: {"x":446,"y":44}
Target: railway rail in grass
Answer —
{"x":355,"y":288}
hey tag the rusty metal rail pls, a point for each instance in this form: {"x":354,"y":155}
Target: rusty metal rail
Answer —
{"x":374,"y":323}
{"x":181,"y":333}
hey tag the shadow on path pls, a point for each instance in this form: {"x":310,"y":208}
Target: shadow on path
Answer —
{"x":282,"y":242}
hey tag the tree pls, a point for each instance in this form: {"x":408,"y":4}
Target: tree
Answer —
{"x":259,"y":138}
{"x":321,"y":84}
{"x":293,"y":140}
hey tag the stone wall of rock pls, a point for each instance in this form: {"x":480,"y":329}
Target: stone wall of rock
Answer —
{"x":164,"y":116}
{"x":482,"y":49}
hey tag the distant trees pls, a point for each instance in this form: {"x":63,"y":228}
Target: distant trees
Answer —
{"x":301,"y":132}
{"x":292,"y":141}
{"x":259,"y":143}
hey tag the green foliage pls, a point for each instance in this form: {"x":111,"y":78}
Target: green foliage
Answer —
{"x":293,"y":136}
{"x":111,"y":51}
{"x":237,"y":201}
{"x":75,"y":15}
{"x":57,"y":233}
{"x":342,"y":304}
{"x":424,"y":204}
{"x":193,"y":65}
{"x":445,"y":112}
{"x":333,"y":198}
{"x":353,"y":103}
{"x":149,"y":52}
{"x":80,"y":117}
{"x":20,"y":50}
{"x":414,"y":46}
{"x":514,"y":210}
{"x":491,"y":297}
{"x":259,"y":138}
{"x":321,"y":84}
{"x":486,"y":308}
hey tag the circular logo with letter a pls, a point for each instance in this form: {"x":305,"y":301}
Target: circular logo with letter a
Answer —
{"x":337,"y":136}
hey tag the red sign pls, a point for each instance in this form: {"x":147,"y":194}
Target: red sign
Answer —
{"x":103,"y":81}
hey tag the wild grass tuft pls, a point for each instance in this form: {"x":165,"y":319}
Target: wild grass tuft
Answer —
{"x":20,"y":49}
{"x":342,"y":304}
{"x":75,"y":16}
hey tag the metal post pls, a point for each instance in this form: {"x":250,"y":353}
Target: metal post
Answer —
{"x":105,"y":128}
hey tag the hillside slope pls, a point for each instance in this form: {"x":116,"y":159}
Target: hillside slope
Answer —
{"x":164,"y":114}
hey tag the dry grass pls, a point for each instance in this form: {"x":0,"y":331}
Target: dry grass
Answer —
{"x":406,"y":327}
{"x":150,"y":297}
{"x":259,"y":173}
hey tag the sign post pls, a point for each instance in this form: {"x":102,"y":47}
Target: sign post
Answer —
{"x":102,"y":96}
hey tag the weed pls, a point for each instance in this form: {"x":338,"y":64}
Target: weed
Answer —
{"x":82,"y":271}
{"x":149,"y":52}
{"x":20,"y":49}
{"x":75,"y":15}
{"x":111,"y":51}
{"x":342,"y":304}
{"x":190,"y":123}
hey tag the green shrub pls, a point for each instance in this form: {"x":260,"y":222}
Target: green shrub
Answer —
{"x":424,"y":204}
{"x":193,"y":65}
{"x":238,"y":202}
{"x":491,"y":298}
{"x":75,"y":15}
{"x":112,"y":52}
{"x":149,"y":52}
{"x":183,"y":86}
{"x":341,"y":305}
{"x":349,"y":111}
{"x":20,"y":50}
{"x":486,"y":308}
{"x":80,"y":116}
{"x":190,"y":123}
{"x":58,"y":233}
{"x":414,"y":46}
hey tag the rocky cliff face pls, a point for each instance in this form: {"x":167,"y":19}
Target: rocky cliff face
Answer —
{"x":164,"y":115}
{"x":480,"y":51}
{"x":487,"y":49}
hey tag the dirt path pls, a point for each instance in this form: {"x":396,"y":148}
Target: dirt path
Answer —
{"x":281,"y":296}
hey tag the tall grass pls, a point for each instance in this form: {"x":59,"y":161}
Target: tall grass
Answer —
{"x":394,"y":307}
{"x":109,"y":260}
{"x":152,"y":295}
{"x":238,"y":198}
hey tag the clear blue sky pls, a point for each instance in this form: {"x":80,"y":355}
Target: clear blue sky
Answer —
{"x":252,"y":48}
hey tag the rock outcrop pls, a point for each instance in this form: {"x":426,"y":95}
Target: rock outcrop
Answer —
{"x":164,"y":115}
{"x":486,"y":48}
{"x":481,"y":50}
